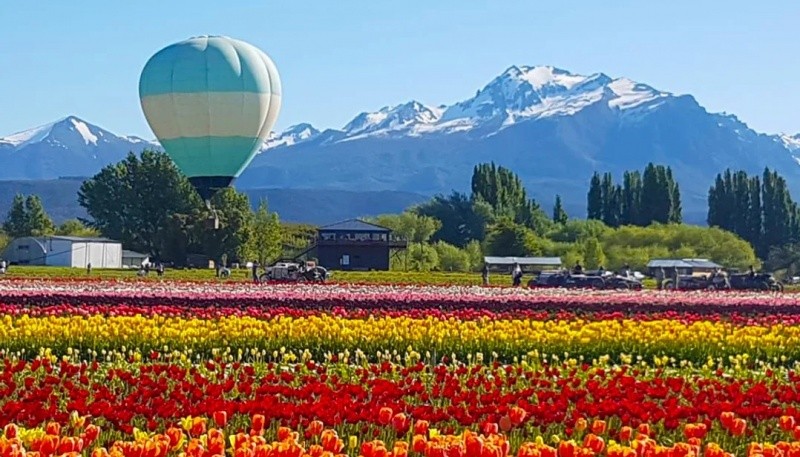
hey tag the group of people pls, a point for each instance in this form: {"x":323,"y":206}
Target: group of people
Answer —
{"x":147,"y":266}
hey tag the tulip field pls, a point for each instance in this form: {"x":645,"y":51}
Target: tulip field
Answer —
{"x":199,"y":369}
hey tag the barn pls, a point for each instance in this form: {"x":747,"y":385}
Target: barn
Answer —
{"x":64,"y":251}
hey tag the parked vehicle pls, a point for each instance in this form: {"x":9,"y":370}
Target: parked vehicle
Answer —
{"x":759,"y":281}
{"x":567,"y":280}
{"x":290,"y":271}
{"x":688,"y":282}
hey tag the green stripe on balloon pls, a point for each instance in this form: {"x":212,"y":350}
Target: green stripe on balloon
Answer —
{"x":212,"y":156}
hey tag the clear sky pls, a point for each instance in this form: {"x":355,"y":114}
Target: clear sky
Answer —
{"x":340,"y":57}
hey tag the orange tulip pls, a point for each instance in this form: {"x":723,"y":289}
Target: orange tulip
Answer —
{"x":400,"y":423}
{"x":727,"y":418}
{"x":400,"y":449}
{"x":331,"y":442}
{"x":786,"y":423}
{"x":258,"y":423}
{"x":738,"y":427}
{"x":385,"y":416}
{"x":594,"y":442}
{"x":53,"y":428}
{"x":418,"y":444}
{"x":220,"y":418}
{"x":198,"y":426}
{"x":314,"y":428}
{"x":625,"y":433}
{"x":421,"y":427}
{"x":175,"y":436}
{"x":567,"y":449}
{"x":491,"y":428}
{"x":284,"y":433}
{"x":580,"y":424}
{"x":598,"y":427}
{"x":644,"y":429}
{"x":517,"y":415}
{"x":11,"y":431}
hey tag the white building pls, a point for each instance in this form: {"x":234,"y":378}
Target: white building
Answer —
{"x":64,"y":251}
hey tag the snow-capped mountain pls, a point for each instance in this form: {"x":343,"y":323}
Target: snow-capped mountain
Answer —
{"x":792,"y":142}
{"x":553,"y":127}
{"x":66,"y":147}
{"x":290,"y":136}
{"x":518,"y":94}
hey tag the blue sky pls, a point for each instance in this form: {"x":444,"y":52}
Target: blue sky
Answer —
{"x":340,"y":57}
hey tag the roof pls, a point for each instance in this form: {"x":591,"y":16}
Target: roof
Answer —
{"x":523,"y":260}
{"x":682,"y":263}
{"x":81,"y":239}
{"x":353,"y":225}
{"x":126,"y":253}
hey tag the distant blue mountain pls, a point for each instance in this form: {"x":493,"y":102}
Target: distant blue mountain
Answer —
{"x":553,"y":127}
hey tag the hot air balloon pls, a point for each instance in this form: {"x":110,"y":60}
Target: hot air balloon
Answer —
{"x":211,"y":101}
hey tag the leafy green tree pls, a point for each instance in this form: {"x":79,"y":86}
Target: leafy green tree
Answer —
{"x":422,"y":257}
{"x":140,"y":201}
{"x":74,"y":227}
{"x":265,"y":241}
{"x":462,"y":219}
{"x":631,"y":198}
{"x":16,"y":224}
{"x":593,"y":254}
{"x":507,"y":238}
{"x":559,"y":215}
{"x":475,"y":254}
{"x":451,"y":258}
{"x":235,"y":226}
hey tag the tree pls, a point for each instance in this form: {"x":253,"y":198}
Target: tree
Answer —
{"x":594,"y":203}
{"x":462,"y":219}
{"x":74,"y":227}
{"x":593,"y":254}
{"x":16,"y":223}
{"x":27,"y":217}
{"x":559,"y":215}
{"x":507,"y":238}
{"x":38,"y":221}
{"x":142,"y":202}
{"x":503,"y":191}
{"x":265,"y":241}
{"x":451,"y":258}
{"x":631,"y":198}
{"x":236,"y":219}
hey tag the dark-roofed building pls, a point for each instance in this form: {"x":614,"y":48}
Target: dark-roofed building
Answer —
{"x":686,"y":267}
{"x":528,"y":264}
{"x":64,"y":251}
{"x":355,"y":245}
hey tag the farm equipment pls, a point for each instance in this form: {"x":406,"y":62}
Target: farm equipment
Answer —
{"x":760,"y":281}
{"x":566,"y":280}
{"x":290,"y":271}
{"x":708,"y":282}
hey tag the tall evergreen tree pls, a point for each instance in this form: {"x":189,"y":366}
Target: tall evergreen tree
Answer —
{"x":503,"y":191}
{"x":16,"y":223}
{"x":39,"y":223}
{"x":595,"y":198}
{"x":631,"y":198}
{"x":559,"y":215}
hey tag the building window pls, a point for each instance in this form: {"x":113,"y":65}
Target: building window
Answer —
{"x":345,"y":260}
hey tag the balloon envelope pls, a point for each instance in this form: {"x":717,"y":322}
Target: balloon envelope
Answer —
{"x":211,"y":101}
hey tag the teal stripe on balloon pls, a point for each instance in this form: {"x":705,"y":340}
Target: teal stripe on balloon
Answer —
{"x":209,"y":64}
{"x":212,"y":156}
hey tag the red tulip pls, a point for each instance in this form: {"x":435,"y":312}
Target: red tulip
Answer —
{"x":220,"y":418}
{"x":385,"y":416}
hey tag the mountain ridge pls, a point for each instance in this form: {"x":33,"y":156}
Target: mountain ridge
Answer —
{"x":551,"y":126}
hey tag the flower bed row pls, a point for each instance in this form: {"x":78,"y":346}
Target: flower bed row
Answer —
{"x":43,"y":293}
{"x":396,"y":403}
{"x":204,"y":437}
{"x":694,"y":341}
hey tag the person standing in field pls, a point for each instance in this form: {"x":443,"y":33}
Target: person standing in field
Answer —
{"x":485,"y":274}
{"x":660,"y":277}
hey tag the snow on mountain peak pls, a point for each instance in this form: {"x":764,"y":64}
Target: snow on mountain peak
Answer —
{"x":292,"y":135}
{"x":58,"y":128}
{"x":397,"y":117}
{"x":792,"y":142}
